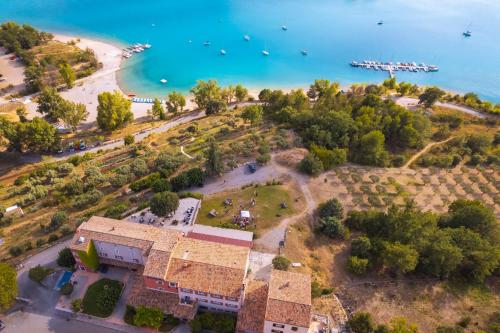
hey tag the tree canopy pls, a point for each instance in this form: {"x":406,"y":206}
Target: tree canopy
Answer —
{"x":164,"y":203}
{"x":8,"y":286}
{"x":113,"y":111}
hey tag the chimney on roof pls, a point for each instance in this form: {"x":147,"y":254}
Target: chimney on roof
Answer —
{"x":112,"y":229}
{"x":185,"y":255}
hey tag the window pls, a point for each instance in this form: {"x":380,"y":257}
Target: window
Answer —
{"x":234,"y":306}
{"x":188,"y":291}
{"x":136,"y":260}
{"x":172,"y":284}
{"x":159,"y":281}
{"x":232,"y":299}
{"x":276,"y":331}
{"x":216,"y":296}
{"x":216,"y":303}
{"x":200,"y":293}
{"x":278,"y":325}
{"x":103,"y":254}
{"x":295,"y":328}
{"x":119,"y":257}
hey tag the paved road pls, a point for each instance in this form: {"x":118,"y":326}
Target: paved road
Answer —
{"x":409,"y":102}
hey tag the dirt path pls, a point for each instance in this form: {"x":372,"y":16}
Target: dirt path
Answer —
{"x":186,"y":154}
{"x":271,"y":239}
{"x":423,"y":151}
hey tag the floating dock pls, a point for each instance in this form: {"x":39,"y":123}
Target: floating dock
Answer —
{"x":391,"y":68}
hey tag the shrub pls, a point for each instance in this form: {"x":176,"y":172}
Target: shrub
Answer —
{"x":149,"y":317}
{"x":281,"y":263}
{"x":116,"y":211}
{"x":215,"y":322}
{"x":52,"y":238}
{"x":357,"y":265}
{"x":65,"y":258}
{"x":66,"y":289}
{"x":130,"y":312}
{"x":39,"y":273}
{"x":76,"y":305}
{"x":263,"y":159}
{"x":311,"y":165}
{"x":331,"y":207}
{"x":360,"y":247}
{"x":317,"y":290}
{"x":40,"y":242}
{"x":332,"y":227}
{"x":128,"y":139}
{"x":87,"y":199}
{"x":15,"y":251}
{"x":361,"y":322}
{"x":65,"y":230}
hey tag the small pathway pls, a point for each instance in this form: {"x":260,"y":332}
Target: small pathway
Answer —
{"x":186,"y":154}
{"x":423,"y":151}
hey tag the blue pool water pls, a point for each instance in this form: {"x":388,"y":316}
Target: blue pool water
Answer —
{"x":65,"y":278}
{"x":334,"y":32}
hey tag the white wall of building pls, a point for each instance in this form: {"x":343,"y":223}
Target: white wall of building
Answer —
{"x":119,"y":252}
{"x":212,"y":302}
{"x":272,"y":327}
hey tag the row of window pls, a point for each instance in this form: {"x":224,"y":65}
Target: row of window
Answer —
{"x":189,"y":291}
{"x":102,"y":254}
{"x":170,"y":284}
{"x":294,"y":328}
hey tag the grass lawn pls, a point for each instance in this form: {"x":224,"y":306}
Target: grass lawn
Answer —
{"x":109,"y":290}
{"x":267,"y":211}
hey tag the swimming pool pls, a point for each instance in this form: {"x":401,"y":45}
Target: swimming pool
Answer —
{"x":65,"y":278}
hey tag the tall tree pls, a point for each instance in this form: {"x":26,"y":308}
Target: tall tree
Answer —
{"x":113,"y":111}
{"x":241,"y":93}
{"x":253,"y":114}
{"x":72,"y":114}
{"x":228,"y":93}
{"x":157,"y":110}
{"x":400,"y":258}
{"x":50,"y":103}
{"x":205,"y":92}
{"x":214,"y":164}
{"x":372,"y":150}
{"x":67,"y":74}
{"x":430,"y":96}
{"x":176,"y":102}
{"x":164,"y":203}
{"x":8,"y":286}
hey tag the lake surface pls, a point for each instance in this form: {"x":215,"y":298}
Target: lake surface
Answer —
{"x":334,"y":32}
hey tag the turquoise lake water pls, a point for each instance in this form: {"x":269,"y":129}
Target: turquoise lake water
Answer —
{"x":334,"y":32}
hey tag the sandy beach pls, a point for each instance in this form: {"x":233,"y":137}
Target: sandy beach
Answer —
{"x":12,"y":72}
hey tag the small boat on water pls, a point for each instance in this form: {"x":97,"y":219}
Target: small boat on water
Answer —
{"x":284,"y":28}
{"x":147,"y":46}
{"x":223,"y":52}
{"x":304,"y":52}
{"x":207,"y":43}
{"x":467,"y":33}
{"x":246,"y":37}
{"x":265,"y":52}
{"x":163,"y":81}
{"x":380,"y":22}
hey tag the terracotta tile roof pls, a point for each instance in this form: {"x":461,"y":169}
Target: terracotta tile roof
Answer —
{"x":124,"y":233}
{"x":221,"y":235}
{"x":289,"y":298}
{"x":211,"y":253}
{"x":205,"y":277}
{"x":140,"y":295}
{"x":183,"y":311}
{"x":157,"y":264}
{"x":252,"y":313}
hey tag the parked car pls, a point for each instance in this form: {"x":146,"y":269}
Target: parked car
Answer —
{"x":71,"y":147}
{"x":83,"y":146}
{"x":251,"y":167}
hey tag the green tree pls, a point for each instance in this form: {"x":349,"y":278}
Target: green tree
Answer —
{"x":57,"y":220}
{"x":401,"y":325}
{"x":361,"y":247}
{"x":390,"y":83}
{"x":281,"y":263}
{"x":67,"y":74}
{"x":36,"y":136}
{"x":361,"y":322}
{"x":8,"y":286}
{"x":241,"y":93}
{"x":164,"y":203}
{"x":253,"y":114}
{"x":205,"y":92}
{"x":128,"y":140}
{"x":149,"y":317}
{"x":22,"y":114}
{"x":33,"y":78}
{"x":357,"y":265}
{"x":332,"y":227}
{"x":441,"y":256}
{"x":400,"y":258}
{"x":330,"y":157}
{"x":479,"y":142}
{"x":157,"y":110}
{"x":474,"y":215}
{"x":66,"y":289}
{"x":39,"y":273}
{"x":214,"y":165}
{"x":404,"y":88}
{"x":311,"y":165}
{"x":331,"y":207}
{"x":228,"y":94}
{"x":65,"y":258}
{"x":176,"y":102}
{"x":161,"y":185}
{"x":113,"y":111}
{"x":50,"y":103}
{"x":72,"y":114}
{"x":215,"y":106}
{"x":430,"y":96}
{"x":372,"y":150}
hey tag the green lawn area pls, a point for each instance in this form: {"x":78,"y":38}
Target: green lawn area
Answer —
{"x":101,"y":297}
{"x":267,"y":211}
